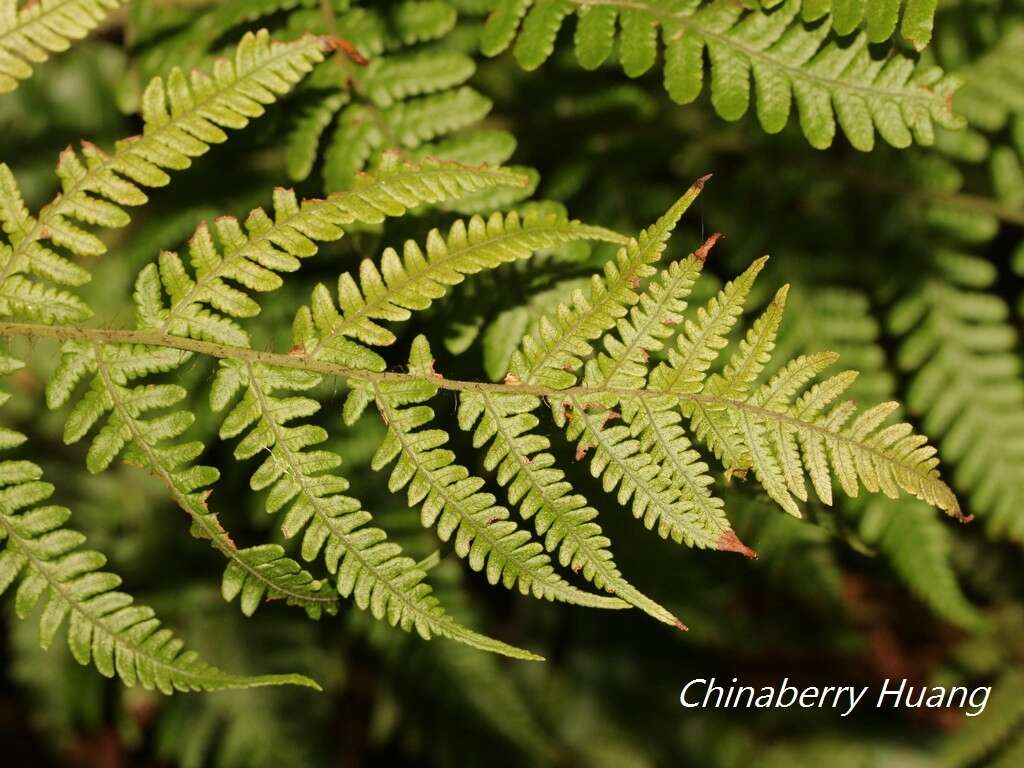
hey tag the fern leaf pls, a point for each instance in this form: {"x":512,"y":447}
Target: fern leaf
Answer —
{"x":958,"y":342}
{"x":918,"y":545}
{"x":915,"y":18}
{"x":364,"y":130}
{"x":394,"y":79}
{"x":549,"y":357}
{"x":450,"y":497}
{"x":208,"y":305}
{"x":411,"y":282}
{"x":183,"y":117}
{"x":30,"y":34}
{"x":786,"y":60}
{"x":649,"y":457}
{"x":305,"y":485}
{"x":303,"y":141}
{"x":153,"y":443}
{"x":106,"y":627}
{"x":259,"y":573}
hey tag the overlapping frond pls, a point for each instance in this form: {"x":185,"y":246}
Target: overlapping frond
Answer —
{"x":208,"y":304}
{"x":209,"y":301}
{"x":772,"y":427}
{"x":144,"y":423}
{"x":30,"y":34}
{"x":450,"y":497}
{"x":145,"y":420}
{"x":648,"y":458}
{"x":830,"y":80}
{"x":66,"y":583}
{"x":778,"y":430}
{"x":183,"y":115}
{"x":305,"y":485}
{"x":551,"y":357}
{"x":399,"y":86}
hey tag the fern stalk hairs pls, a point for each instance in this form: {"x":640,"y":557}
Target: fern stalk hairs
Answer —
{"x":418,"y":315}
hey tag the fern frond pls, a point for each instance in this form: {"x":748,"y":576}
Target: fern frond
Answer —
{"x":549,"y":357}
{"x":404,"y":284}
{"x":141,"y":424}
{"x":962,"y":351}
{"x":785,"y":59}
{"x":305,"y":481}
{"x":30,"y":34}
{"x":207,"y":306}
{"x":106,"y":627}
{"x":879,"y":20}
{"x":305,"y":484}
{"x":411,"y":92}
{"x":992,"y":92}
{"x":450,"y":497}
{"x":363,"y":130}
{"x":183,"y":116}
{"x":412,"y":281}
{"x":649,"y":458}
{"x":917,"y":545}
{"x":263,"y":572}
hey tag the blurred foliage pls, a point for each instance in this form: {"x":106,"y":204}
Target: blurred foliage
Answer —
{"x":906,"y":261}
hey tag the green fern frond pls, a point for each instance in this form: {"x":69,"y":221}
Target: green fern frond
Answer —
{"x":263,"y":572}
{"x":412,"y":283}
{"x":404,"y":284}
{"x":187,"y":48}
{"x":183,"y":116}
{"x":106,"y":627}
{"x":550,"y":357}
{"x":143,"y":425}
{"x":304,"y":483}
{"x":879,"y":20}
{"x":958,"y":342}
{"x":415,"y":279}
{"x":30,"y":34}
{"x":450,"y":497}
{"x":785,"y":59}
{"x":648,"y":458}
{"x":362,"y":130}
{"x":207,"y":306}
{"x":992,"y":91}
{"x":917,"y":544}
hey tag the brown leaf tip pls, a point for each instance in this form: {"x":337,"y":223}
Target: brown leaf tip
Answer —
{"x":699,"y":183}
{"x":730,"y":542}
{"x":679,"y":625}
{"x":701,"y":254}
{"x":334,"y":43}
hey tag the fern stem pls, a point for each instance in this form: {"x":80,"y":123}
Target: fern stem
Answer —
{"x":301,"y":361}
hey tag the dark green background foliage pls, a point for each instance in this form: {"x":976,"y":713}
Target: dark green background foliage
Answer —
{"x":907,"y":261}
